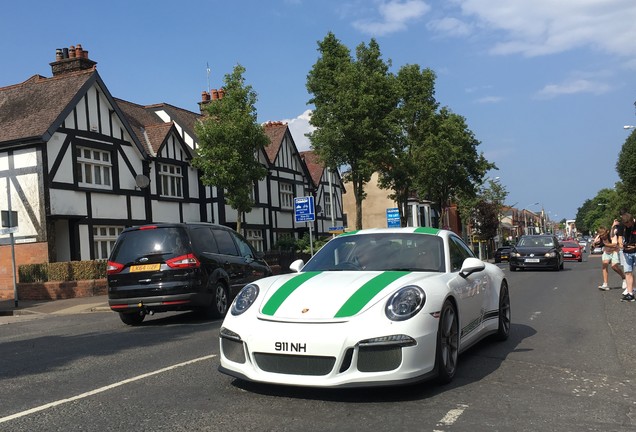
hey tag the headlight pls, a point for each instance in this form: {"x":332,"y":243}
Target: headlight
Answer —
{"x":405,"y":303}
{"x":244,"y":299}
{"x":550,"y":254}
{"x":515,"y":254}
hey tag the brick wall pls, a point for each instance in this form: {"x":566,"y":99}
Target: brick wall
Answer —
{"x":61,"y":290}
{"x":25,"y":253}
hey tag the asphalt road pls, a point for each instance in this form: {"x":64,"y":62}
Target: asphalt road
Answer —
{"x":569,"y":365}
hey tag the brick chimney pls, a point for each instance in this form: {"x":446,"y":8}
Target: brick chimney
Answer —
{"x":71,"y":59}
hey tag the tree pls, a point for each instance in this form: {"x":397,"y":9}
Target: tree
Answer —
{"x":412,"y":119}
{"x":353,"y":99}
{"x":626,"y":169}
{"x":449,"y":166}
{"x":229,"y":139}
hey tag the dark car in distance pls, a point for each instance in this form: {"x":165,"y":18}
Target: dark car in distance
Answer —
{"x":179,"y":266}
{"x":502,"y":254}
{"x":540,"y":251}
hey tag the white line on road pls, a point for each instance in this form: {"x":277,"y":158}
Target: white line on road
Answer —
{"x":451,"y":416}
{"x":101,"y":389}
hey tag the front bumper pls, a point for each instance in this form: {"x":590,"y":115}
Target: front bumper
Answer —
{"x":330,"y":354}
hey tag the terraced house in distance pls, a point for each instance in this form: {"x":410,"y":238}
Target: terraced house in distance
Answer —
{"x":78,"y":165}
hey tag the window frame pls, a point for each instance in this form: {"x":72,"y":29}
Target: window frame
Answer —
{"x":94,"y":168}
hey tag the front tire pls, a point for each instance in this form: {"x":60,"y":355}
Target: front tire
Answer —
{"x":503,"y":330}
{"x":447,"y":351}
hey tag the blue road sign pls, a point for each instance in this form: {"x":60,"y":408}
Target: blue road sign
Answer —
{"x":304,"y":210}
{"x":393,"y":218}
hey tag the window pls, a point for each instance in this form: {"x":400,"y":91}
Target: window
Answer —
{"x":225,"y":243}
{"x":255,"y":237}
{"x":286,"y":195}
{"x":171,"y":181}
{"x":328,"y":204}
{"x":104,"y":238}
{"x":94,"y":168}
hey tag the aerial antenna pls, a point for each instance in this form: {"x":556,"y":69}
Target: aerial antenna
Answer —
{"x":208,"y":72}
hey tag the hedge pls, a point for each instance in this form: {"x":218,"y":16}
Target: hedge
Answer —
{"x":62,"y":271}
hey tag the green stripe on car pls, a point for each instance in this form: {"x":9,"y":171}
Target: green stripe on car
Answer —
{"x":427,"y":230}
{"x":285,"y":291}
{"x":366,"y":292}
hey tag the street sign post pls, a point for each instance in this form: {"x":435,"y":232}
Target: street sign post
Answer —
{"x":393,"y":218}
{"x":305,"y":211}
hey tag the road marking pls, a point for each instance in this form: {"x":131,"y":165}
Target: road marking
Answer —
{"x":451,"y":416}
{"x":534,"y":315}
{"x":101,"y":389}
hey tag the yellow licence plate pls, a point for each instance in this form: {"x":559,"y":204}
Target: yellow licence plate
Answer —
{"x":145,"y":267}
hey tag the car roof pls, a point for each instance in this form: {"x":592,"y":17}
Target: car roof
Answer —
{"x":175,"y":224}
{"x":406,"y":230}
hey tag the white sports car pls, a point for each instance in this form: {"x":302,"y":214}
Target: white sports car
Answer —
{"x":372,"y":307}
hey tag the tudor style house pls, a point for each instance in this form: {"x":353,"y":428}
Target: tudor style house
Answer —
{"x":78,"y":165}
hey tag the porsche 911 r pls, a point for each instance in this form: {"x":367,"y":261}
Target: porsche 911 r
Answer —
{"x":372,"y":307}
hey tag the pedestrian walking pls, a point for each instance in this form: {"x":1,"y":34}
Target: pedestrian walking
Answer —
{"x":608,"y":240}
{"x":628,"y":243}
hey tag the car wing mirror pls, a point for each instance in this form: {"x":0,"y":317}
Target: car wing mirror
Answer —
{"x":297,"y":265}
{"x":470,"y":266}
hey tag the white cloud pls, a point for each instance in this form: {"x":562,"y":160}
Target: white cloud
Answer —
{"x":543,"y":27}
{"x":450,"y":27}
{"x":489,"y":100}
{"x":298,"y":127}
{"x":573,"y":86}
{"x":394,"y":15}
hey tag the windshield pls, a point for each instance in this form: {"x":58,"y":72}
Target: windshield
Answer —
{"x":536,"y":242}
{"x":380,"y":252}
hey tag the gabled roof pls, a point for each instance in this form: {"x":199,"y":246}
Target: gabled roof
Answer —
{"x":275,"y":131}
{"x":149,"y":128}
{"x":186,"y":119}
{"x":314,"y":166}
{"x":34,"y":109}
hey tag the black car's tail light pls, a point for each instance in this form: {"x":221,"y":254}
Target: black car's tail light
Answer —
{"x":183,"y":261}
{"x":113,"y":267}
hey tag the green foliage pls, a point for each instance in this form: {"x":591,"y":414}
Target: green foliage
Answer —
{"x":626,"y":164}
{"x":448,"y":161}
{"x":62,"y":271}
{"x":288,"y":242}
{"x":353,"y":100}
{"x":412,"y":119}
{"x":229,"y":140}
{"x":598,"y":211}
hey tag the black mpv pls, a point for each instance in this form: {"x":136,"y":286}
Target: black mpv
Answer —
{"x":181,"y":266}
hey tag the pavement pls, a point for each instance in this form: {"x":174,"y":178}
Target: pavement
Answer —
{"x":57,"y":307}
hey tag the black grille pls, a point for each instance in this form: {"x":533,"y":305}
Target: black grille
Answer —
{"x":295,"y":364}
{"x":379,"y":358}
{"x":233,"y":350}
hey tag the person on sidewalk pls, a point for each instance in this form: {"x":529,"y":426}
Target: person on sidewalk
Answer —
{"x":628,"y":244}
{"x":608,"y":240}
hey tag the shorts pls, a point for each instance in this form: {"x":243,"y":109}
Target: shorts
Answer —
{"x":611,"y":257}
{"x":630,"y":259}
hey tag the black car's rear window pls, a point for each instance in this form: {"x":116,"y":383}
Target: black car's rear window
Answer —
{"x":157,"y":244}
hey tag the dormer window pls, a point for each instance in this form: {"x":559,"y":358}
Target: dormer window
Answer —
{"x":94,"y":168}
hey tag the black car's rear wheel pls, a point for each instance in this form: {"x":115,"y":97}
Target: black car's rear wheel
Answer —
{"x":220,"y":301}
{"x":132,"y":318}
{"x":503,"y":330}
{"x":447,"y":351}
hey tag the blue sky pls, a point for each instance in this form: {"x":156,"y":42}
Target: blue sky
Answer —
{"x":545,"y":85}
